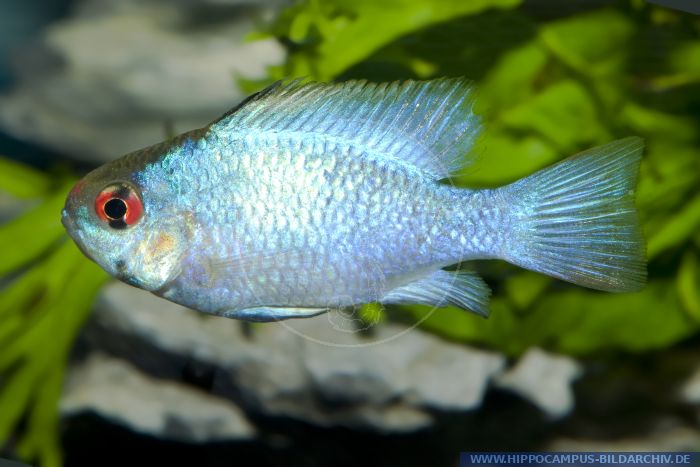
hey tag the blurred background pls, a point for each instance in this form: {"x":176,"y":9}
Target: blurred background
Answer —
{"x":94,"y":372}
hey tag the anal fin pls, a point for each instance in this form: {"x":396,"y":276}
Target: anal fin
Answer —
{"x":463,"y":289}
{"x":267,"y":314}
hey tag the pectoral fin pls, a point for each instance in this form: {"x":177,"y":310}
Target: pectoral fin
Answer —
{"x":267,"y":314}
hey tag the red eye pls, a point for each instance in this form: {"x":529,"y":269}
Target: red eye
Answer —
{"x":119,"y":206}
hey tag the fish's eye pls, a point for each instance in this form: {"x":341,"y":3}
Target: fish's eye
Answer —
{"x":119,"y":205}
{"x":115,"y":208}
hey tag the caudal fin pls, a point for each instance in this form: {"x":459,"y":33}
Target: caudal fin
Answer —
{"x":576,"y":220}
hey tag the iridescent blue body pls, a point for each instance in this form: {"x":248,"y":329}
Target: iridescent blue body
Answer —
{"x":310,"y":197}
{"x":314,"y":223}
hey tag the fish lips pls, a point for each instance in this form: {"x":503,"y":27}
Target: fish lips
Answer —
{"x":67,"y":221}
{"x":74,"y":232}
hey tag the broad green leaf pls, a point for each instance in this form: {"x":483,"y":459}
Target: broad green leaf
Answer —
{"x":19,"y":293}
{"x":40,"y":322}
{"x":33,"y":232}
{"x":573,"y":321}
{"x":588,"y":321}
{"x":669,"y":177}
{"x":590,"y":43}
{"x":349,"y":31}
{"x":651,"y":122}
{"x":563,"y":114}
{"x":677,"y":230}
{"x":463,"y":46}
{"x":21,"y":181}
{"x":513,"y":79}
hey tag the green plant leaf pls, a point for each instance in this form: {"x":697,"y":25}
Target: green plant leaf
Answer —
{"x":646,"y":121}
{"x":513,"y":80}
{"x":591,"y":43}
{"x":563,"y":114}
{"x":574,"y":321}
{"x":677,"y":230}
{"x":33,"y":232}
{"x":21,"y":181}
{"x":589,"y":321}
{"x":345,"y":32}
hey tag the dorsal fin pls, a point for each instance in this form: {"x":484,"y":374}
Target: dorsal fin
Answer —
{"x":429,"y":124}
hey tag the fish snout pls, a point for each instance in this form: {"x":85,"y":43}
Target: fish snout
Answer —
{"x":74,"y":231}
{"x":67,"y":221}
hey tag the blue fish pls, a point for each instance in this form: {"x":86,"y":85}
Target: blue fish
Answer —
{"x":310,"y":196}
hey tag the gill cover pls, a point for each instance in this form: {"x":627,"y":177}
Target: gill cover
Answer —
{"x":122,"y":216}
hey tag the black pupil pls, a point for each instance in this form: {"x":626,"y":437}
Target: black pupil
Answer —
{"x":115,"y":208}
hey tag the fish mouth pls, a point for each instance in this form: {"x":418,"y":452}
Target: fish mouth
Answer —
{"x":74,"y":233}
{"x":67,"y":222}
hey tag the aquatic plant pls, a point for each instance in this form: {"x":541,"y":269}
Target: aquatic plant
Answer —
{"x":46,"y":290}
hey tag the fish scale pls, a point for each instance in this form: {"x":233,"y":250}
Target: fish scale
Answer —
{"x":345,"y":223}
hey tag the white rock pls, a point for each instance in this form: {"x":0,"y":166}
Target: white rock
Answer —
{"x":690,"y":390}
{"x":126,"y":72}
{"x":119,"y":392}
{"x":666,"y":439}
{"x":424,"y":369}
{"x":454,"y":377}
{"x":308,"y":370}
{"x":545,"y":379}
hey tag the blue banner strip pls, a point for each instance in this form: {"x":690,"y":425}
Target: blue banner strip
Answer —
{"x":483,"y":459}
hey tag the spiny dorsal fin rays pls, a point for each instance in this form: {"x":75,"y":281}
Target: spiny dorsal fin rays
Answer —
{"x":428,"y":124}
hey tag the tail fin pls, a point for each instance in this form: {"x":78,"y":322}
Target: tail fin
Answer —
{"x":576,"y":220}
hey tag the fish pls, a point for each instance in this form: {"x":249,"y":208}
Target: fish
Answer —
{"x":310,"y":196}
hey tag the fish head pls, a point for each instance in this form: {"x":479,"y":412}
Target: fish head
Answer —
{"x":124,"y":217}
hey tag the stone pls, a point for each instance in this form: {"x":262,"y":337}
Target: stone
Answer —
{"x":117,"y":391}
{"x":667,"y":438}
{"x":392,"y":380}
{"x":690,"y":389}
{"x":117,"y":78}
{"x":544,"y":379}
